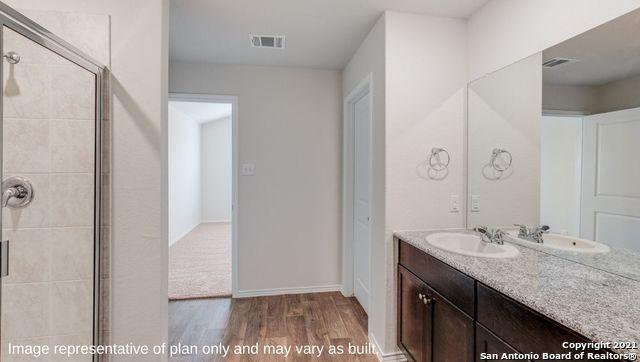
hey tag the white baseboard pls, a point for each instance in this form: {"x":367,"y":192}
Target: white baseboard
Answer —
{"x":214,"y":221}
{"x":280,"y":291}
{"x":393,"y":356}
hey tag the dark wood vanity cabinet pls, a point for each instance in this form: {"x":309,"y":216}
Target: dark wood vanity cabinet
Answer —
{"x":414,"y":335}
{"x":489,"y":343}
{"x":445,"y":315}
{"x":523,"y":328}
{"x":430,"y":327}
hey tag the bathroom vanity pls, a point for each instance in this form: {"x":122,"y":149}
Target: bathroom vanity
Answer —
{"x":453,"y":307}
{"x":552,"y":188}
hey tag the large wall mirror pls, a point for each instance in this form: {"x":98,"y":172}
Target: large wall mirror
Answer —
{"x":554,"y":140}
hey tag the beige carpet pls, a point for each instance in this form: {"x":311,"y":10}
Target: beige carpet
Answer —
{"x":200,"y":263}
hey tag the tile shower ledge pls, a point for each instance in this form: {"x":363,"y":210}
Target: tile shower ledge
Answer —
{"x":569,"y":293}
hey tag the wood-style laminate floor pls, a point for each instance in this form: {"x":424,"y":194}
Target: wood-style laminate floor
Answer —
{"x":317,"y":319}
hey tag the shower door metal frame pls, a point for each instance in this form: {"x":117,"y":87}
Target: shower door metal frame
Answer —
{"x":26,"y":27}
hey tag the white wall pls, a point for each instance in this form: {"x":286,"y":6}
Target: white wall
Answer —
{"x":560,"y":173}
{"x":622,"y":94}
{"x":425,"y":107}
{"x":185,"y":193}
{"x":505,"y":31}
{"x":216,"y":140}
{"x":289,"y":124}
{"x":614,"y":96}
{"x":139,"y":60}
{"x":581,"y":99}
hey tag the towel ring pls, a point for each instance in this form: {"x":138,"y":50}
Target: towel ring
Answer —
{"x":494,"y":155}
{"x":435,"y":161}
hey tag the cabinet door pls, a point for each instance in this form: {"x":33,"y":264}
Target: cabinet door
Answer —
{"x":414,"y":320}
{"x":453,"y":331}
{"x":490,"y":346}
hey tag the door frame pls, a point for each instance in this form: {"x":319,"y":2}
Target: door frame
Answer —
{"x":364,"y":87}
{"x":214,"y":98}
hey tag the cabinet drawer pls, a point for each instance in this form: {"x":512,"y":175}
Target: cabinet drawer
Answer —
{"x":523,"y":328}
{"x":452,"y":284}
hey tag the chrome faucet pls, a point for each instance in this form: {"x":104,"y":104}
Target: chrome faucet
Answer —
{"x":532,"y":234}
{"x":495,"y":236}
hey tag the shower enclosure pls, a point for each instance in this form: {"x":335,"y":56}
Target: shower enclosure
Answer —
{"x":52,"y":113}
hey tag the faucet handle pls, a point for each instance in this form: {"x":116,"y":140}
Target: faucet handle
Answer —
{"x":481,"y":229}
{"x":498,"y":236}
{"x":538,"y":232}
{"x":523,"y":230}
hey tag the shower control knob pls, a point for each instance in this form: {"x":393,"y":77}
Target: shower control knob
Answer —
{"x":17,"y":192}
{"x":12,"y":57}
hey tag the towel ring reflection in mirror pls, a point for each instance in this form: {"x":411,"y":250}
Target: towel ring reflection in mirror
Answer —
{"x":495,"y":158}
{"x":435,"y":160}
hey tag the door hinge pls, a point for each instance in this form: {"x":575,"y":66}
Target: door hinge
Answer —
{"x":4,"y":258}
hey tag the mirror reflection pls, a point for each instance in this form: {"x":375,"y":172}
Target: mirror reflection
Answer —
{"x":553,"y":147}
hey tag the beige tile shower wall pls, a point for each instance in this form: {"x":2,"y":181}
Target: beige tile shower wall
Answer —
{"x":49,"y":138}
{"x":90,"y":33}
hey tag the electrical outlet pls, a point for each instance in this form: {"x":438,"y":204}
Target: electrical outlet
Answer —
{"x":475,"y":203}
{"x":454,"y":203}
{"x":248,"y":169}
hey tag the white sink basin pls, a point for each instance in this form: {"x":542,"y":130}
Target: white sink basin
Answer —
{"x":471,"y":245}
{"x":567,"y":243}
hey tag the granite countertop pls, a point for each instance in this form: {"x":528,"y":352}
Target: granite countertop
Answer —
{"x":620,"y":261}
{"x":597,"y":304}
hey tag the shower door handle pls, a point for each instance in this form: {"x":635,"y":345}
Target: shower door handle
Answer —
{"x":4,"y":258}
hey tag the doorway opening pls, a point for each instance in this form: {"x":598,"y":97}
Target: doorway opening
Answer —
{"x":202,"y":222}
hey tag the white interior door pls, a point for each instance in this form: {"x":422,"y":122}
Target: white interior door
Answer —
{"x":610,"y":186}
{"x":362,"y":237}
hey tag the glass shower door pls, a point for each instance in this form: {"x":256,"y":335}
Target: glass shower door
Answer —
{"x":48,"y":199}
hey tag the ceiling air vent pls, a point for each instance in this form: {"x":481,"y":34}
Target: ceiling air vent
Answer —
{"x":267,"y":41}
{"x":555,"y":62}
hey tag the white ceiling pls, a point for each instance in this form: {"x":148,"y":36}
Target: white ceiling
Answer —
{"x":202,"y":112}
{"x":605,"y":54}
{"x":319,"y":33}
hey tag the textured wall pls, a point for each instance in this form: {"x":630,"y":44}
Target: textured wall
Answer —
{"x":289,"y":122}
{"x":185,"y":174}
{"x":216,"y":170}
